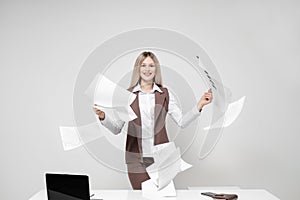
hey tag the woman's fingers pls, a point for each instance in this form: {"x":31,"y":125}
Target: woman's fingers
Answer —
{"x":100,"y":113}
{"x":208,"y":95}
{"x":97,"y":111}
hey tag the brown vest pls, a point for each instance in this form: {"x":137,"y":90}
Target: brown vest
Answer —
{"x":134,"y":132}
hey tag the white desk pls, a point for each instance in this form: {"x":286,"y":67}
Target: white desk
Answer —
{"x":244,"y":194}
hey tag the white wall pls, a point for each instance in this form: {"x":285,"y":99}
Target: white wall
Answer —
{"x":254,"y":44}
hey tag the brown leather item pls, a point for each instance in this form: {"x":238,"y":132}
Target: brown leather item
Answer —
{"x":221,"y":196}
{"x":226,"y":196}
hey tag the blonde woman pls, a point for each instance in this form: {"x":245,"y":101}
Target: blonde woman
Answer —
{"x":151,"y":106}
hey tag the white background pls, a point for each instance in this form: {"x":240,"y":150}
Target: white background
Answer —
{"x":254,"y":44}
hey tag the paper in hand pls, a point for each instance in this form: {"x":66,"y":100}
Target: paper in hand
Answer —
{"x":107,"y":94}
{"x":221,"y":94}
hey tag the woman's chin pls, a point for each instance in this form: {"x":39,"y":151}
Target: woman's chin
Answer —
{"x":147,"y":79}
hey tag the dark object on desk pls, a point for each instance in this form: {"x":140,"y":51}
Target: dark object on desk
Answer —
{"x":67,"y":187}
{"x":220,"y":196}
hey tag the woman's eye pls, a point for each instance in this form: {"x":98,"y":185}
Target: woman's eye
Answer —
{"x":148,"y":65}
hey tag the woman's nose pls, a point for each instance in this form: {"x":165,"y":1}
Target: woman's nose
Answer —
{"x":147,"y":68}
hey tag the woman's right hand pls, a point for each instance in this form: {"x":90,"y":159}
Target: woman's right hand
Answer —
{"x":100,"y":113}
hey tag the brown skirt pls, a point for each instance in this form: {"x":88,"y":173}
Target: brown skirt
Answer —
{"x":137,"y":172}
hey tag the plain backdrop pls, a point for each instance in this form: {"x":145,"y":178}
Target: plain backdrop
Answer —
{"x":255,"y":46}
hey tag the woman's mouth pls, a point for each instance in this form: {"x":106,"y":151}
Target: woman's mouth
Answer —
{"x":147,"y":74}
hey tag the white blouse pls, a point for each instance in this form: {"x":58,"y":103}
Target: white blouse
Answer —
{"x":146,"y":105}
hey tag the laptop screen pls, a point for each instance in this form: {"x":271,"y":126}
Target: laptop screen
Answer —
{"x":67,"y":187}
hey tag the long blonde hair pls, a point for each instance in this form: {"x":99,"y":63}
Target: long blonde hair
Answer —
{"x":136,"y":70}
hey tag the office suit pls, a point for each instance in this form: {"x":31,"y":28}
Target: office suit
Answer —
{"x":163,"y":103}
{"x":135,"y":163}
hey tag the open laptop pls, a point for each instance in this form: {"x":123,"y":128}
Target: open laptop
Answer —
{"x":67,"y":187}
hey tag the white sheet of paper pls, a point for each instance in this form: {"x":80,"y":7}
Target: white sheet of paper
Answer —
{"x":167,"y":164}
{"x":109,"y":94}
{"x":231,"y":114}
{"x":125,"y":114}
{"x":71,"y":138}
{"x":150,"y":190}
{"x":153,"y":173}
{"x":163,"y":151}
{"x":169,"y":169}
{"x":184,"y":165}
{"x":221,"y":94}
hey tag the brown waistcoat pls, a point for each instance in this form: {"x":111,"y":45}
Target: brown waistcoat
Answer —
{"x":134,"y":132}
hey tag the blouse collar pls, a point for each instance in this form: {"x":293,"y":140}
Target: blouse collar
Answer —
{"x":155,"y":88}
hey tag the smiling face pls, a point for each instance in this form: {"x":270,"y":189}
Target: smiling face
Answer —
{"x":147,"y":70}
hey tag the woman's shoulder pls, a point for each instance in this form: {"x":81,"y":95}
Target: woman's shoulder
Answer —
{"x":162,"y":88}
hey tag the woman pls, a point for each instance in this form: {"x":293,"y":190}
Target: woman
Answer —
{"x":151,"y":105}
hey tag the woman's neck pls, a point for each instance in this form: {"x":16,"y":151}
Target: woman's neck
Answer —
{"x":146,"y":86}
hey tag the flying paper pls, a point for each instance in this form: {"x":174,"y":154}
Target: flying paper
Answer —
{"x":231,"y":114}
{"x":71,"y":138}
{"x":167,"y":164}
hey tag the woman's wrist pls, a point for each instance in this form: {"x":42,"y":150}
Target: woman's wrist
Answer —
{"x":200,"y":107}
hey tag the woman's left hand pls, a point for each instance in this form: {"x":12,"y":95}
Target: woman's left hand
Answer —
{"x":205,"y":99}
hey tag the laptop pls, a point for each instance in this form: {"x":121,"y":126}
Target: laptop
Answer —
{"x":67,"y":187}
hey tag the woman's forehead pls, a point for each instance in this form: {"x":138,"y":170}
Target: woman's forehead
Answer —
{"x":148,"y":60}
